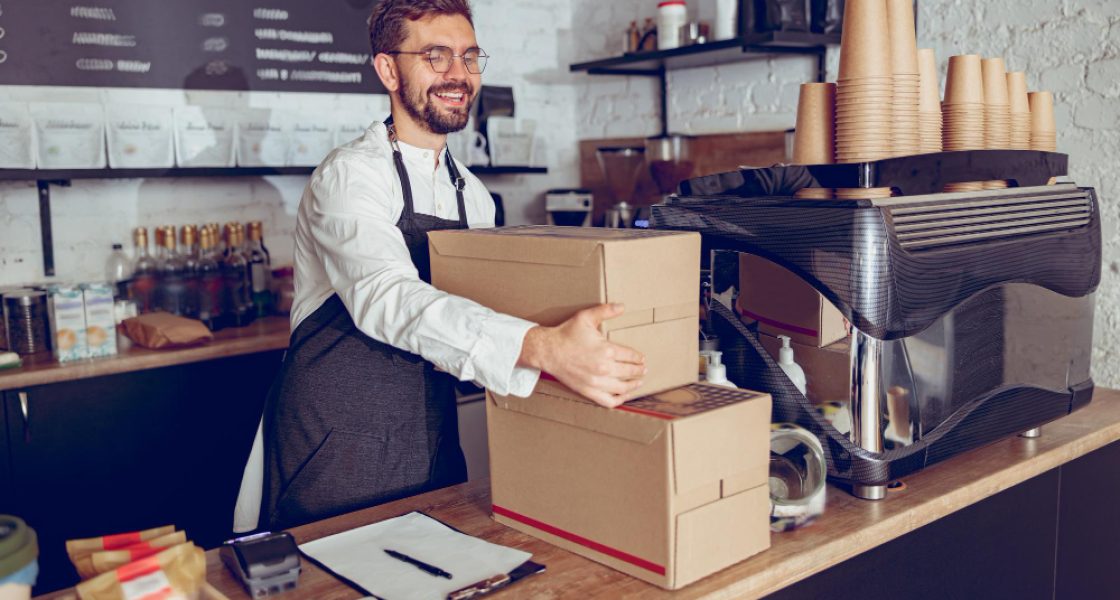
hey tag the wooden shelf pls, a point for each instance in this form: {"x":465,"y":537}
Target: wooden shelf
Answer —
{"x":53,"y":175}
{"x":655,"y":62}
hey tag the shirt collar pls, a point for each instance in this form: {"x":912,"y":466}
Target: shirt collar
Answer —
{"x":421,"y":156}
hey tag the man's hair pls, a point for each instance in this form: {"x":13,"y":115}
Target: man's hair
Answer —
{"x":387,"y":29}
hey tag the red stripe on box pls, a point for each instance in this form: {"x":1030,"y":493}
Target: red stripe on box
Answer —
{"x":132,"y":570}
{"x":648,"y":413}
{"x":780,"y":325}
{"x":582,"y":541}
{"x":142,"y":551}
{"x":120,"y":540}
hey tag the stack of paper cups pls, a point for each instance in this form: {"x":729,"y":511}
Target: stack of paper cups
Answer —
{"x":1020,"y":110}
{"x":865,"y":88}
{"x":929,"y":102}
{"x":963,"y":111}
{"x":1044,"y":131}
{"x":997,"y":111}
{"x":814,"y":138}
{"x":905,"y":139}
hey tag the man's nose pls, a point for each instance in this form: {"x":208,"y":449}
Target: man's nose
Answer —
{"x":458,"y":70}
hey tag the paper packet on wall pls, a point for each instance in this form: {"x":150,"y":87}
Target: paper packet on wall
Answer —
{"x":69,"y":135}
{"x":204,"y":136}
{"x":140,"y":137}
{"x":17,"y":139}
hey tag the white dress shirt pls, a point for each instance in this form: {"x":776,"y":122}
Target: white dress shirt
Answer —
{"x":347,"y":243}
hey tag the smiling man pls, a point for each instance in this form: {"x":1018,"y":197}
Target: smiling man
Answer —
{"x":364,"y":410}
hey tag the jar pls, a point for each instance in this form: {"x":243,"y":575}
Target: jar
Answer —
{"x":19,"y":558}
{"x":25,"y":312}
{"x":671,"y":16}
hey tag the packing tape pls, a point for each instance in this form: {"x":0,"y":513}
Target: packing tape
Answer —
{"x":797,"y":477}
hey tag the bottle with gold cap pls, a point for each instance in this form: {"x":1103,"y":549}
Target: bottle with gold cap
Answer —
{"x":235,"y":271}
{"x":188,"y":245}
{"x":210,"y":283}
{"x":142,"y":288}
{"x":172,"y":287}
{"x":260,"y":272}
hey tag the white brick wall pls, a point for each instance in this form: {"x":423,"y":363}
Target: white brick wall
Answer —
{"x":1070,"y":47}
{"x":526,"y":46}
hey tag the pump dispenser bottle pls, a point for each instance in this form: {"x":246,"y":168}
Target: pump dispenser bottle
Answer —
{"x":793,"y":370}
{"x":717,"y":372}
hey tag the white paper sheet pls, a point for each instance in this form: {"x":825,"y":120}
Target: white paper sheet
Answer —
{"x":359,"y":556}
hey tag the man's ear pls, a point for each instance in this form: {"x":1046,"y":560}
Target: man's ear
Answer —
{"x":386,"y":69}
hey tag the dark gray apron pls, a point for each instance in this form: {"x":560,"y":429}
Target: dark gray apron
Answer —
{"x":352,"y":422}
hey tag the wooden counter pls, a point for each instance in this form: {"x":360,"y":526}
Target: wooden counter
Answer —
{"x":849,"y":527}
{"x":269,"y":333}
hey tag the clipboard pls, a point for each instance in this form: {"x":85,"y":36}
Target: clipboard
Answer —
{"x":497,"y":582}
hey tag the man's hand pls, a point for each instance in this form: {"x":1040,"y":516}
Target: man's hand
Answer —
{"x":580,"y":357}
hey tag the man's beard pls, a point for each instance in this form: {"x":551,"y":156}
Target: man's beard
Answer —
{"x":422,"y":108}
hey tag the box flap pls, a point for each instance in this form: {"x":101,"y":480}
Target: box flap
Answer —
{"x":718,"y":433}
{"x":509,"y":244}
{"x":635,"y":262}
{"x":721,"y":534}
{"x":628,"y":425}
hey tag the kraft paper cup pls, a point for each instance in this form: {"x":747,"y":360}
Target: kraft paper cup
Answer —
{"x":965,"y":82}
{"x":814,"y":137}
{"x":1017,"y":92}
{"x":1042,"y":112}
{"x":928,"y":81}
{"x":865,"y":49}
{"x":995,"y":81}
{"x":904,"y":44}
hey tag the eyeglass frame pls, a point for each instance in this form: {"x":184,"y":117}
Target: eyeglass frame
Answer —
{"x":481,"y":54}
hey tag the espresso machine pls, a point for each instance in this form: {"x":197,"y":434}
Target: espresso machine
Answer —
{"x":971,"y":312}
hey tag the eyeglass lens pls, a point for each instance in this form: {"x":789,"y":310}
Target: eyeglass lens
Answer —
{"x":441,"y":56}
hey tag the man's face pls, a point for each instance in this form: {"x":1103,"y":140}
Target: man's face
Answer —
{"x":439,"y":102}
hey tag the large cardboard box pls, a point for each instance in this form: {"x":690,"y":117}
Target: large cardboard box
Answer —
{"x":546,"y":274}
{"x":785,"y":304}
{"x":828,"y":371}
{"x":668,"y":488}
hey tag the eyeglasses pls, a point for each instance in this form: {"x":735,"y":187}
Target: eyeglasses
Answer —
{"x":474,"y":59}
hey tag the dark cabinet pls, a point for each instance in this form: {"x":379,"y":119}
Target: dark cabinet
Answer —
{"x":131,"y":451}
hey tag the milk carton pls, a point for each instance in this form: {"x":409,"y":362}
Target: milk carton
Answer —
{"x":68,"y":322}
{"x":101,"y":327}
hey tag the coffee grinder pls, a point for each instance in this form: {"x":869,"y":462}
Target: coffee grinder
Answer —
{"x":621,"y":167}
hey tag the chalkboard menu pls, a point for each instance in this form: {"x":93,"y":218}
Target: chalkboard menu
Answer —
{"x":266,"y":45}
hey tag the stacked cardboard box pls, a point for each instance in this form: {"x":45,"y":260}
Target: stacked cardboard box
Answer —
{"x":669,"y":487}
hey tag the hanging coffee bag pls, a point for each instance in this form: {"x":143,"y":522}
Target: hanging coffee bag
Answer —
{"x":69,"y":135}
{"x":140,"y":137}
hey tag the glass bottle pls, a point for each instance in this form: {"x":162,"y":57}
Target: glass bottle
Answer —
{"x":188,"y":240}
{"x":260,"y":271}
{"x":142,"y":288}
{"x":118,"y":270}
{"x":235,"y":273}
{"x":210,"y":282}
{"x":171,"y":268}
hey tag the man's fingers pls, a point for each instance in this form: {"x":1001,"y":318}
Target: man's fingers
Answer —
{"x":603,"y":312}
{"x":627,"y":371}
{"x":627,"y":355}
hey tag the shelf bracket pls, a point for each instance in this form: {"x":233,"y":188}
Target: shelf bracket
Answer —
{"x":47,"y":237}
{"x":664,"y":89}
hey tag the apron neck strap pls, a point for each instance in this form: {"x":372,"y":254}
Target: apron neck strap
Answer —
{"x":457,"y":180}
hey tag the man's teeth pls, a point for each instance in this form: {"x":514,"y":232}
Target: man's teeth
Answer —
{"x":456,"y":96}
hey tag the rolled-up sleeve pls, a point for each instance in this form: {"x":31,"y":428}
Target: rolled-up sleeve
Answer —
{"x":350,"y":220}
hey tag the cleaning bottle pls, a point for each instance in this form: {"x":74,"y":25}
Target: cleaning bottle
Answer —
{"x":793,"y":370}
{"x":717,"y":372}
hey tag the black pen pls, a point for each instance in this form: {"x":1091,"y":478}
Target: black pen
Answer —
{"x":419,"y":564}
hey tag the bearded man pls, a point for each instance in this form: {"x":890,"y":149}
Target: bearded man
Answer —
{"x":363,"y":411}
